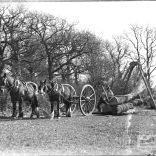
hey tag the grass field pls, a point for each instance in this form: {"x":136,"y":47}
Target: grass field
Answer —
{"x":79,"y":135}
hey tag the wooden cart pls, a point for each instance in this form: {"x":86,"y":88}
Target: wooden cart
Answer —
{"x":86,"y":100}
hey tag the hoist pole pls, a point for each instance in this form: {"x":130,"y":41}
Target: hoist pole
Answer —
{"x":147,"y":86}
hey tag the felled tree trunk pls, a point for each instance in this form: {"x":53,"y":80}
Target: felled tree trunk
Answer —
{"x":119,"y":109}
{"x":122,"y":103}
{"x":120,"y":99}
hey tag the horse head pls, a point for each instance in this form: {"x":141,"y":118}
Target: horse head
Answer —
{"x":47,"y":87}
{"x":6,"y":79}
{"x":54,"y":85}
{"x":43,"y":88}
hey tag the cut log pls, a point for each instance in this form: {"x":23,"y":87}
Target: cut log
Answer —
{"x":120,"y":99}
{"x":105,"y":108}
{"x":119,"y":109}
{"x":122,"y":103}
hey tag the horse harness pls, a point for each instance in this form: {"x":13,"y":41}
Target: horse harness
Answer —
{"x":16,"y":85}
{"x":58,"y":89}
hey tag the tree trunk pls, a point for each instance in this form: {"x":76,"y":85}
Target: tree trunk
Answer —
{"x":19,"y":71}
{"x":50,"y":68}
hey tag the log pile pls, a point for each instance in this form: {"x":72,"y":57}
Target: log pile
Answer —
{"x":122,"y":103}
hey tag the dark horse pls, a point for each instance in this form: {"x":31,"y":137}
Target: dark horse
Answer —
{"x":59,"y":93}
{"x":19,"y":91}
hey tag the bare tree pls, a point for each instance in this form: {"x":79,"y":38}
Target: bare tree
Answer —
{"x":143,"y":42}
{"x":50,"y":32}
{"x":14,"y":35}
{"x":75,"y":48}
{"x":93,"y":60}
{"x":3,"y":34}
{"x":117,"y":53}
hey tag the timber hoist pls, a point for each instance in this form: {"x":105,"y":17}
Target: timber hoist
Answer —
{"x":121,"y":103}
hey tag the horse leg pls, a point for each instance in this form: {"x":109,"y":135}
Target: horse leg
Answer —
{"x":58,"y":109}
{"x":20,"y":109}
{"x":37,"y":107}
{"x":14,"y":109}
{"x":68,"y":109}
{"x":52,"y":110}
{"x":34,"y":106}
{"x":32,"y":109}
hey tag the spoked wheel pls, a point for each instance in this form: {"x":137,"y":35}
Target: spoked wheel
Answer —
{"x":87,"y":100}
{"x":73,"y":106}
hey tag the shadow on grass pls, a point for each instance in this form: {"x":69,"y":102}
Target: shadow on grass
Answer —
{"x":102,"y":114}
{"x":6,"y":118}
{"x":111,"y":114}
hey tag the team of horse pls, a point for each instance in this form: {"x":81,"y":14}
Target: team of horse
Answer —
{"x":21,"y":91}
{"x":58,"y":93}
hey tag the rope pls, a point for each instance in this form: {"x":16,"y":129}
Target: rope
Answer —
{"x":147,"y":86}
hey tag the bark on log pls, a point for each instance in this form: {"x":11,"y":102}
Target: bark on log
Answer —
{"x":117,"y":100}
{"x":119,"y":109}
{"x":105,"y":108}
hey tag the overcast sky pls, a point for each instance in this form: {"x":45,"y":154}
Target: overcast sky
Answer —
{"x":105,"y":19}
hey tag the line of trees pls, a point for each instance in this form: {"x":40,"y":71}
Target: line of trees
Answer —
{"x":37,"y":46}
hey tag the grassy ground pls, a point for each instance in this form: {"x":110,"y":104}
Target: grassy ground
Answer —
{"x":79,"y":135}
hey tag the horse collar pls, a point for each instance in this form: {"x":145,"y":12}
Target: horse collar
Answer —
{"x":16,"y":83}
{"x":62,"y":88}
{"x":56,"y":84}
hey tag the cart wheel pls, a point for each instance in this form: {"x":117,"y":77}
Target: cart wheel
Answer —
{"x":73,"y":106}
{"x":87,"y":100}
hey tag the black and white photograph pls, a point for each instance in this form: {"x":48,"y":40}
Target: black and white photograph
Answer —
{"x":77,"y":77}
